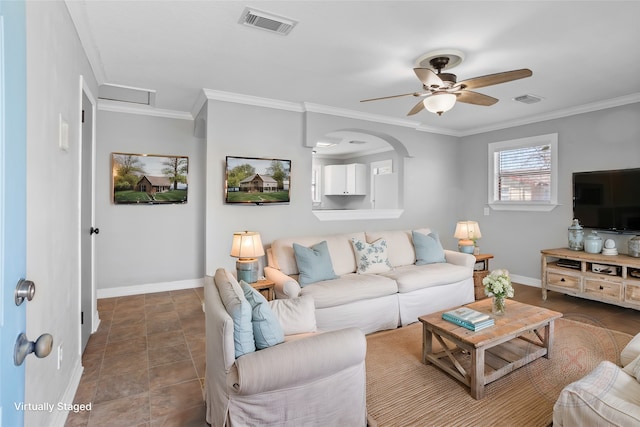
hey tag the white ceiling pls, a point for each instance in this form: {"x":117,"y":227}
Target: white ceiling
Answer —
{"x":584,"y":55}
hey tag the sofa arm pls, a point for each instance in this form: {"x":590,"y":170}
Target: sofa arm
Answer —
{"x":459,"y":258}
{"x":630,"y":351}
{"x":299,"y":362}
{"x":285,"y":286}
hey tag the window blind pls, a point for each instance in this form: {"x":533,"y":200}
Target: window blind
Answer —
{"x":524,"y":174}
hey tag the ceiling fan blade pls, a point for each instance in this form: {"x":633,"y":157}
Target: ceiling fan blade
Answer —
{"x":469,"y":97}
{"x":394,"y":96}
{"x":416,"y":108}
{"x":428,"y":77}
{"x":494,"y":79}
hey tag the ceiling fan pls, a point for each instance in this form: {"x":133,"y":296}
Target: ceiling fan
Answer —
{"x":441,"y":90}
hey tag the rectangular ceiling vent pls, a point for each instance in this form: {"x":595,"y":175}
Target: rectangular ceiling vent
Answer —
{"x":528,"y":99}
{"x":266,"y":21}
{"x":130,"y":94}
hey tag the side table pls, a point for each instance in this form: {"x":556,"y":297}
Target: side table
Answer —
{"x":266,"y":288}
{"x":479,"y":274}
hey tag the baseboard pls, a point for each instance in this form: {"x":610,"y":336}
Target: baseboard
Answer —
{"x":60,"y":416}
{"x":149,"y":288}
{"x":524,"y":280}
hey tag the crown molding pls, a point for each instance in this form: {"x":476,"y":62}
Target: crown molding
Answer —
{"x":558,"y":114}
{"x":207,"y":94}
{"x":219,"y":95}
{"x":257,"y":101}
{"x":145,"y":110}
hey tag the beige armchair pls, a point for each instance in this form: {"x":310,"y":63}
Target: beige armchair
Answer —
{"x":317,"y":380}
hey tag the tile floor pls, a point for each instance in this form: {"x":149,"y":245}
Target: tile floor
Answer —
{"x":145,"y":364}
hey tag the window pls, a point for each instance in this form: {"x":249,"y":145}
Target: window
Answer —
{"x":523,"y":173}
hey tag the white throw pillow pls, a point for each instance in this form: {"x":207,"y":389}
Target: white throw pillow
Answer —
{"x":296,"y":315}
{"x":371,"y":257}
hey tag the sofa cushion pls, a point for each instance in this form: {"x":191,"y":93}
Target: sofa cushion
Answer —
{"x":428,"y":248}
{"x":267,"y":331}
{"x":630,"y":351}
{"x":633,"y":368}
{"x":412,"y":277}
{"x":371,"y":257}
{"x":349,"y":288}
{"x":314,"y":263}
{"x":605,"y":396}
{"x":239,"y":309}
{"x":399,"y":244}
{"x":296,"y":315}
{"x":340,"y":250}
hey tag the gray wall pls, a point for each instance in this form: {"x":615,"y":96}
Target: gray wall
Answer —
{"x":607,"y":139}
{"x":55,"y":62}
{"x":147,"y":244}
{"x":431,"y":183}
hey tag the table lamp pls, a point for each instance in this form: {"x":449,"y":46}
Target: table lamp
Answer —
{"x":247,"y":247}
{"x":467,"y":232}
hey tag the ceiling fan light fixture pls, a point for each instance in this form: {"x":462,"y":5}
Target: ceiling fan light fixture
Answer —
{"x":439,"y":103}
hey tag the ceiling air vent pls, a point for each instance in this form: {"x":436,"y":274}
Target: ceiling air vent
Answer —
{"x":528,"y":99}
{"x":266,"y":21}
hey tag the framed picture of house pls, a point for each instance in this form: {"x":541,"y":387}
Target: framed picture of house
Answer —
{"x":149,"y":179}
{"x":257,"y":181}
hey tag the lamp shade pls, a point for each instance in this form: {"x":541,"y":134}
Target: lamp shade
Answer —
{"x":439,"y":102}
{"x":467,"y":230}
{"x":246,"y":245}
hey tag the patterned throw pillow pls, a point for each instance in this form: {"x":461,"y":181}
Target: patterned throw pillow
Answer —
{"x":371,"y":257}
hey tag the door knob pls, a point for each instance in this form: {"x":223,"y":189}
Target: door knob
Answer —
{"x":24,"y":289}
{"x":94,"y":231}
{"x":40,"y":347}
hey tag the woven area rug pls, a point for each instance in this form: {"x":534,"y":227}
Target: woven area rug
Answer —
{"x":401,"y":391}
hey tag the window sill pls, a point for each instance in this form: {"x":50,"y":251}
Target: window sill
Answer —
{"x":346,"y":214}
{"x":530,"y":207}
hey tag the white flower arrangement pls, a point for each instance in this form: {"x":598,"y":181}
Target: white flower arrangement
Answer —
{"x":498,"y":284}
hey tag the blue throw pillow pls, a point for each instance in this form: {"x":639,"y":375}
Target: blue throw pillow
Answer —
{"x":267,"y":330}
{"x":314,"y":263}
{"x":428,"y":248}
{"x":239,"y":309}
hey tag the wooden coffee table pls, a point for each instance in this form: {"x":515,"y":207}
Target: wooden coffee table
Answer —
{"x":523,"y":334}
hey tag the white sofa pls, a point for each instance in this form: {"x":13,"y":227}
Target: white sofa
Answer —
{"x":312,"y":379}
{"x":373,"y":302}
{"x":607,"y":396}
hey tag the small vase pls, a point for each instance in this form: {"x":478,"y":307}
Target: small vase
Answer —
{"x":499,"y":306}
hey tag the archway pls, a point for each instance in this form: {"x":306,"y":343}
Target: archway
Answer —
{"x":361,"y":154}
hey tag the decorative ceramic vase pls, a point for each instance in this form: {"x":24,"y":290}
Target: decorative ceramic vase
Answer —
{"x":593,"y":243}
{"x":499,"y":305}
{"x":576,"y":236}
{"x":634,"y":246}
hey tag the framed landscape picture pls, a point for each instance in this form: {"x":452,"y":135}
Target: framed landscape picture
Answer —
{"x":257,"y":181}
{"x":149,"y":179}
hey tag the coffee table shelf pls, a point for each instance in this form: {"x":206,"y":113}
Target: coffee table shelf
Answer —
{"x":522,"y":335}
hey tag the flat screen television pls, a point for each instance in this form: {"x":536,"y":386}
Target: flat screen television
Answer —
{"x":257,"y":181}
{"x":607,"y":200}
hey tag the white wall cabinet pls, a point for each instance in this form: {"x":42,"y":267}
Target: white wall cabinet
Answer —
{"x":345,"y":180}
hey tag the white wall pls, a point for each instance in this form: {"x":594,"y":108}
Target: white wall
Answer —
{"x":55,"y":61}
{"x":606,"y":139}
{"x":431,"y":190}
{"x":141,"y":246}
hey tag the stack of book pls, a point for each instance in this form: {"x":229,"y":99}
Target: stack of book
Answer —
{"x":468,"y":318}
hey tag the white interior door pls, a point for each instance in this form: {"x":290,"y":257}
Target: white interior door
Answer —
{"x":13,"y":235}
{"x":87,"y":228}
